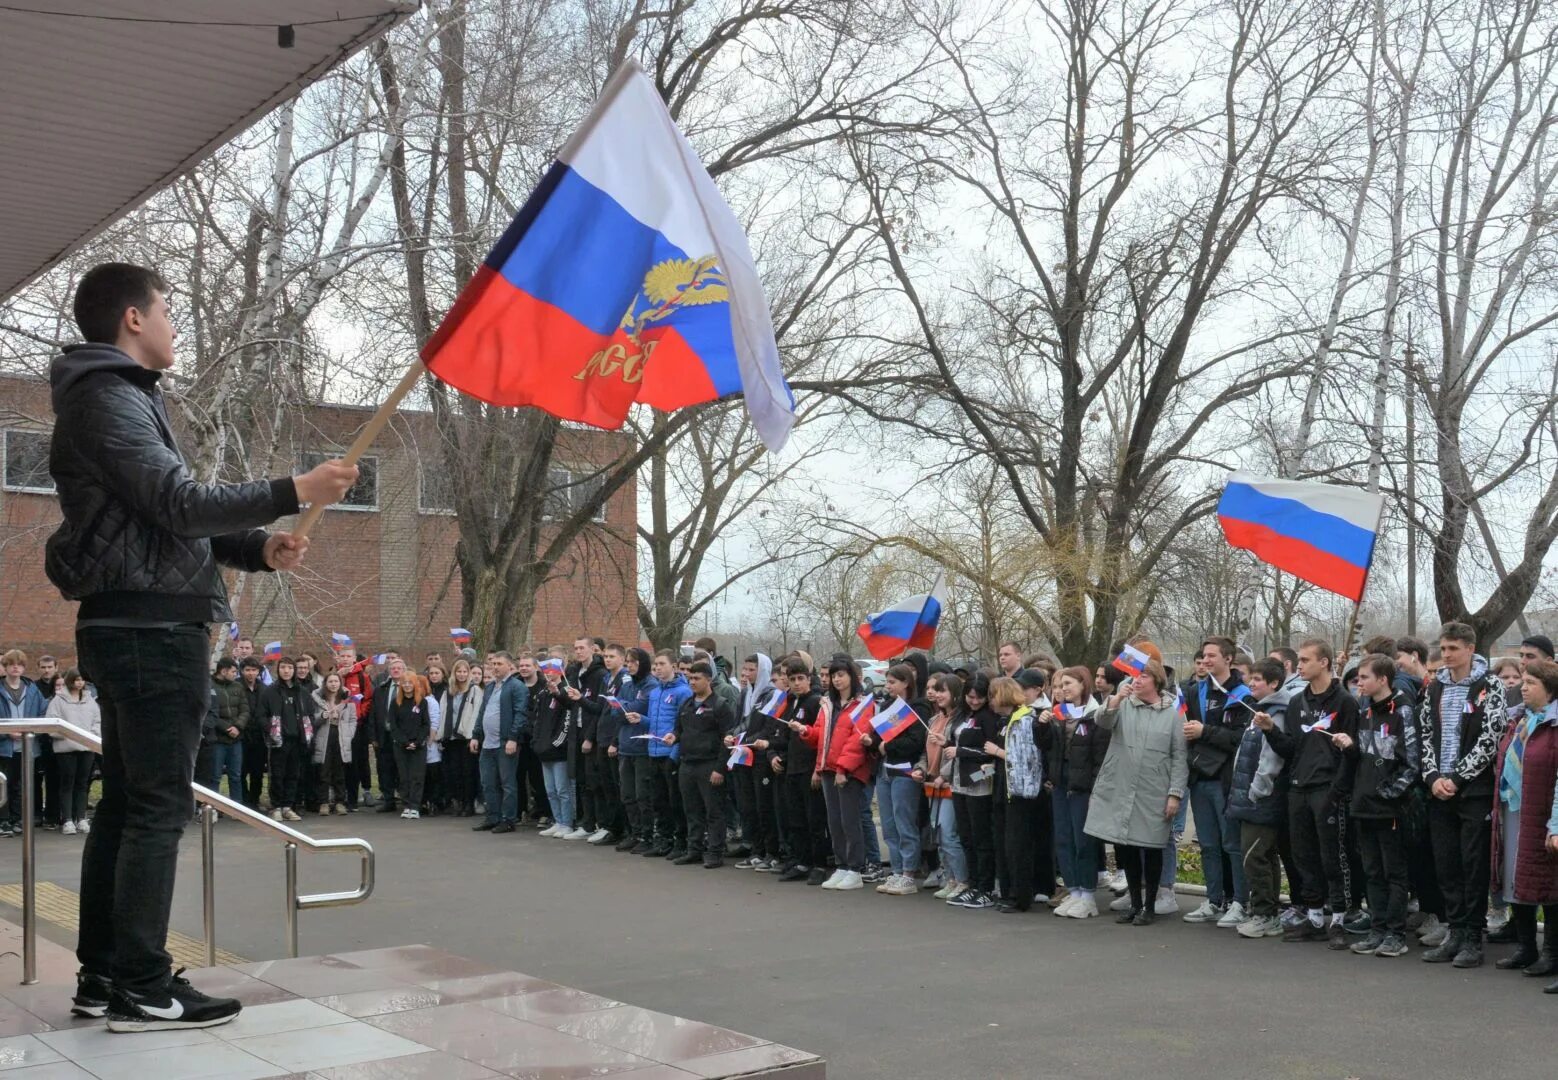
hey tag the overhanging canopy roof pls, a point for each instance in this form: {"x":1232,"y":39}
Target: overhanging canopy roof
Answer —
{"x":105,"y":102}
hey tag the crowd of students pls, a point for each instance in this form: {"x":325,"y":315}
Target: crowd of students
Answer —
{"x":1415,"y":790}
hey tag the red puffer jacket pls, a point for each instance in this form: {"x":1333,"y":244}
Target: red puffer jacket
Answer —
{"x":1536,"y":868}
{"x":359,"y":690}
{"x":838,"y":741}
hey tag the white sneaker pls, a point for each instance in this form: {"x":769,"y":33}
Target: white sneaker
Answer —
{"x":852,"y":880}
{"x":1498,"y":918}
{"x":1041,"y":898}
{"x":1117,"y":882}
{"x":1065,"y":906}
{"x":1207,"y":912}
{"x":905,"y":886}
{"x":933,"y":880}
{"x":1166,"y":903}
{"x":550,"y":830}
{"x":289,"y":814}
{"x":275,"y":815}
{"x":1120,"y":903}
{"x":951,"y":888}
{"x":598,"y":835}
{"x":889,"y":884}
{"x":1259,"y":927}
{"x":68,"y":829}
{"x":1235,"y":916}
{"x":1430,"y":926}
{"x":414,"y":815}
{"x":834,"y":879}
{"x":405,"y":815}
{"x":83,"y":826}
{"x":577,"y":834}
{"x":1083,"y":907}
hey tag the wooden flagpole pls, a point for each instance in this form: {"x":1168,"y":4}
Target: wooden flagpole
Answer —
{"x":365,"y":437}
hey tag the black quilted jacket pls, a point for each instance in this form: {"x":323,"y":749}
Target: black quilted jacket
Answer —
{"x":140,"y":537}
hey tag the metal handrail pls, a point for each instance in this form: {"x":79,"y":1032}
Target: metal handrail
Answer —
{"x":212,"y":803}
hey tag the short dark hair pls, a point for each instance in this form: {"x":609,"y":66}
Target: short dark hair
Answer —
{"x":1543,"y":671}
{"x":1289,"y":656}
{"x":1380,"y":666}
{"x":226,"y":662}
{"x":598,"y":642}
{"x":1271,"y":671}
{"x":701,"y":667}
{"x":106,"y":291}
{"x":667,"y":653}
{"x":1225,"y":646}
{"x":1383,"y":644}
{"x":614,"y":647}
{"x":1458,"y":631}
{"x":249,"y":663}
{"x":796,"y":666}
{"x":750,"y":659}
{"x":1413,"y":647}
{"x":706,"y":643}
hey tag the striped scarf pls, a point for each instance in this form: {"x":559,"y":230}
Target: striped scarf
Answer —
{"x":1514,"y":759}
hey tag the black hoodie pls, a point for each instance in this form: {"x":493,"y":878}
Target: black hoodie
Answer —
{"x":1211,"y":756}
{"x":140,"y":541}
{"x":798,"y":756}
{"x":1313,"y":762}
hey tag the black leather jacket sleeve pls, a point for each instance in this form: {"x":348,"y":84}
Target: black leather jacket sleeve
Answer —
{"x":120,"y":434}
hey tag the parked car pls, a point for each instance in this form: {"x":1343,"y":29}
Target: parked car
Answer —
{"x":873,"y":673}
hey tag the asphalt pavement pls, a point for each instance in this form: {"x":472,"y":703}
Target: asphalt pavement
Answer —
{"x":882,"y":986}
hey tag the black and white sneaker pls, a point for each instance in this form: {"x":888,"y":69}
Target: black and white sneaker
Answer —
{"x":92,"y":994}
{"x":980,"y":901}
{"x":177,"y":1005}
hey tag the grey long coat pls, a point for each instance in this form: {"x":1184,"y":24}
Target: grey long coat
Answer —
{"x":1146,"y":763}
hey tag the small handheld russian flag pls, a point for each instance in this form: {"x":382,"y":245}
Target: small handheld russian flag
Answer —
{"x":551,"y":664}
{"x":614,"y":702}
{"x":1131,"y":660}
{"x":459,"y":635}
{"x":1322,"y":724}
{"x":341,"y":641}
{"x":232,"y":631}
{"x":908,"y":624}
{"x":1181,"y":706}
{"x":775,"y":705}
{"x":860,"y":714}
{"x":273,"y":650}
{"x":1069,"y":711}
{"x":379,"y":658}
{"x":739,"y":755}
{"x":894,"y":720}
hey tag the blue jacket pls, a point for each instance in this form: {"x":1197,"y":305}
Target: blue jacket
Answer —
{"x":635,"y":699}
{"x":665,"y":700}
{"x":513,"y":711}
{"x":31,"y":707}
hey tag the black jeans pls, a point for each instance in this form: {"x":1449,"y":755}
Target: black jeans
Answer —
{"x":804,"y":820}
{"x":531,"y":785}
{"x":666,"y":795}
{"x":389,"y":773}
{"x":600,"y":780}
{"x":704,"y":804}
{"x":976,"y":828}
{"x":153,"y":686}
{"x":1462,"y":837}
{"x":46,"y":782}
{"x":1319,"y":847}
{"x":411,"y":768}
{"x":1260,"y":845}
{"x":462,"y":774}
{"x":754,"y":786}
{"x":256,"y":753}
{"x":359,"y":775}
{"x":844,"y":826}
{"x":1421,"y":875}
{"x":286,"y":769}
{"x":75,"y":771}
{"x":1380,"y":843}
{"x":634,"y":778}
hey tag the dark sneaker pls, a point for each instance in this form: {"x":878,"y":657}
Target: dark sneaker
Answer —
{"x":978,"y":901}
{"x":1304,"y":931}
{"x":713,"y":862}
{"x":818,"y":875}
{"x":748,"y":864}
{"x":687,"y":858}
{"x":1336,"y":938}
{"x":1370,"y":945}
{"x":1393,"y":945}
{"x":872,"y":874}
{"x":1447,"y":949}
{"x":92,"y":994}
{"x":676,"y":854}
{"x":177,"y":1005}
{"x":1145,"y":917}
{"x":794,"y":873}
{"x":642,"y":847}
{"x":503,"y":827}
{"x":1360,"y":923}
{"x":659,"y":851}
{"x":627,"y":843}
{"x":1470,"y":955}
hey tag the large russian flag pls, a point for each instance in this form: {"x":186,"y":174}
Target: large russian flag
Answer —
{"x":625,"y":278}
{"x":908,"y":624}
{"x":1322,"y":533}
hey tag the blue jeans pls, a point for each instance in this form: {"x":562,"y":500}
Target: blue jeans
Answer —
{"x":500,"y":785}
{"x":1075,"y":851}
{"x":559,"y":792}
{"x":898,"y":798}
{"x":227,"y":760}
{"x":1217,"y":836}
{"x":868,"y":827}
{"x":1171,"y":849}
{"x":954,"y":861}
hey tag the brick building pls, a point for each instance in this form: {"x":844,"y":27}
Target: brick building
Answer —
{"x":380,"y":567}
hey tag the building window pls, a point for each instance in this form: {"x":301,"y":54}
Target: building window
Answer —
{"x":363,"y":495}
{"x":435,"y":489}
{"x":571,"y":490}
{"x":27,"y":462}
